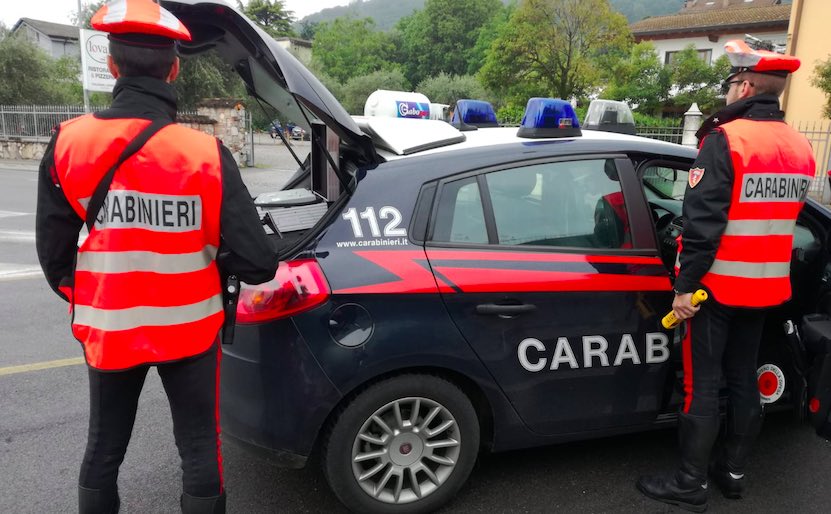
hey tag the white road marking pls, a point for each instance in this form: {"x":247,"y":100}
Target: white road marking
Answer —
{"x":12,"y":214}
{"x":17,"y":236}
{"x":28,"y":236}
{"x":10,"y":272}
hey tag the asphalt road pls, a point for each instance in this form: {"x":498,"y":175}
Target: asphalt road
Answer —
{"x":43,"y":422}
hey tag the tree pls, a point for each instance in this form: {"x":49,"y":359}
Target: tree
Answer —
{"x":822,"y":80}
{"x":697,"y":81}
{"x":357,"y":89}
{"x":553,"y":47}
{"x":270,"y":15}
{"x":441,"y":37}
{"x":88,"y":10}
{"x":29,"y":76}
{"x":206,"y":76}
{"x":350,"y":47}
{"x":636,"y":10}
{"x":308,"y":29}
{"x":487,"y":35}
{"x":448,"y":89}
{"x":640,"y":79}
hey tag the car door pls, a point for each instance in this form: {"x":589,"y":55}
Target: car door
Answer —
{"x":547,"y":271}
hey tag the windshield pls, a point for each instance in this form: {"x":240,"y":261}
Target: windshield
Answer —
{"x":665,"y":183}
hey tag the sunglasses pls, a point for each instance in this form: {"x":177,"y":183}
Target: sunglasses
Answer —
{"x":725,"y":85}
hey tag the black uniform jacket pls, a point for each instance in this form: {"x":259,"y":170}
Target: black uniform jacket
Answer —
{"x":706,"y":204}
{"x":244,"y":248}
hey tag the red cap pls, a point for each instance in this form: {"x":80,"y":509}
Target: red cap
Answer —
{"x":744,"y":58}
{"x":139,"y":17}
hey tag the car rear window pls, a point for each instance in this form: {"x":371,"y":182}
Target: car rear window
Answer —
{"x":460,"y":217}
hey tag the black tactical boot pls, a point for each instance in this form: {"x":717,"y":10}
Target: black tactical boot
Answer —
{"x":203,"y":505}
{"x":681,"y":489}
{"x":687,"y":488}
{"x":98,"y":501}
{"x":728,"y":471}
{"x":731,"y":484}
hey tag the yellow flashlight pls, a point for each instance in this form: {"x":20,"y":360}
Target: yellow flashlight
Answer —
{"x":670,"y":321}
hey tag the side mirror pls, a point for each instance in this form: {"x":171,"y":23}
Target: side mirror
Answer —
{"x":668,"y":174}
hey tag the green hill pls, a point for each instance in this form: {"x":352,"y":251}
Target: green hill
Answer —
{"x":387,"y":12}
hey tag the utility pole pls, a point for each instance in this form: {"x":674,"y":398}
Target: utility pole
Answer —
{"x":80,"y":43}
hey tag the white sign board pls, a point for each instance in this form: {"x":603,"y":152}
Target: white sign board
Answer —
{"x":95,"y":47}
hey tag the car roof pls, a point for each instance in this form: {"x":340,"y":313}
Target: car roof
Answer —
{"x":488,"y":147}
{"x":397,"y":139}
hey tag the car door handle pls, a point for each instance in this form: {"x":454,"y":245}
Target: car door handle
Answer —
{"x":504,"y":310}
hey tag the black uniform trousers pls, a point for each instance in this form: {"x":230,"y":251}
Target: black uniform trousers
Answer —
{"x":192,"y":387}
{"x":724,"y":340}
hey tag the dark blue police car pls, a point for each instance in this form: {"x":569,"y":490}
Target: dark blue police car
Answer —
{"x":446,"y":291}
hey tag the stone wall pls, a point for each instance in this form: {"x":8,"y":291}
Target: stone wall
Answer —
{"x":223,"y":118}
{"x":17,"y":149}
{"x":220,"y":117}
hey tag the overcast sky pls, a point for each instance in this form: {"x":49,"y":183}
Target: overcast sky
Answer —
{"x":59,"y":11}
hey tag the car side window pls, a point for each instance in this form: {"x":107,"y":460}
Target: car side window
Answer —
{"x":460,"y":217}
{"x":564,"y":204}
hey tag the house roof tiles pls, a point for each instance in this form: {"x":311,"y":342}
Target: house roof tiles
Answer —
{"x":719,"y":19}
{"x":54,"y":30}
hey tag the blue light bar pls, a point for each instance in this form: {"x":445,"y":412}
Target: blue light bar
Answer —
{"x":473,"y":113}
{"x":549,"y":117}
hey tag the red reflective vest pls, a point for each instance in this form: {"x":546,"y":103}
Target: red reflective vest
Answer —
{"x":146,"y":288}
{"x":773,"y":167}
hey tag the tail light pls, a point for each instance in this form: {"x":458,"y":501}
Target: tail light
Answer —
{"x":297,"y":287}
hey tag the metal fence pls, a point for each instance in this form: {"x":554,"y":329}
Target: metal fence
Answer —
{"x":34,"y":123}
{"x":669,"y":134}
{"x":819,"y":134}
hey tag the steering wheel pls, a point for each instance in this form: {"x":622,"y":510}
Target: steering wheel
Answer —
{"x":664,"y":222}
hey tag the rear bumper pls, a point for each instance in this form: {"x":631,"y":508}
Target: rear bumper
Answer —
{"x":274,"y":395}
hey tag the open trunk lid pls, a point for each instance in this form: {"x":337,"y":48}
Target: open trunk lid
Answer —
{"x":269,"y":71}
{"x":278,"y":79}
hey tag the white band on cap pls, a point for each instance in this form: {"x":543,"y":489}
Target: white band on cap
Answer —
{"x":116,"y":11}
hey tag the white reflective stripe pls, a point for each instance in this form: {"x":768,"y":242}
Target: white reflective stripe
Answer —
{"x":126,"y":262}
{"x":168,"y":20}
{"x":677,"y":260}
{"x":135,"y":317}
{"x":751,"y":269}
{"x":116,"y":11}
{"x":739,"y":57}
{"x":759,"y":228}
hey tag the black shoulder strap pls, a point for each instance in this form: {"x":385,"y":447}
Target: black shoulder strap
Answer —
{"x":97,"y":199}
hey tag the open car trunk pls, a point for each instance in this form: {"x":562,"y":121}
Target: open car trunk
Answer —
{"x":278,"y":79}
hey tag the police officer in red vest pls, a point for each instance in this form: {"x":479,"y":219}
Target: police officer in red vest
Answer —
{"x":745,"y":192}
{"x":144,"y":287}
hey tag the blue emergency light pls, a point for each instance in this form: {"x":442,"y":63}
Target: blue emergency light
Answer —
{"x":549,"y":117}
{"x":470,"y":114}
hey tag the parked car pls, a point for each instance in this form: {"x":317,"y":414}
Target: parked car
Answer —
{"x":299,"y":133}
{"x":460,"y":292}
{"x":274,"y":128}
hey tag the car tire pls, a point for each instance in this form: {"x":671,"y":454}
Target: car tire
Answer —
{"x":412,"y":464}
